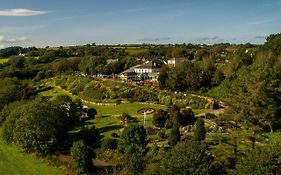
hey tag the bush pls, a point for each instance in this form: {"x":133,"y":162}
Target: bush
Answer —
{"x":91,"y":113}
{"x":109,"y":143}
{"x":159,"y":118}
{"x":161,"y":134}
{"x":174,"y":135}
{"x":82,"y":156}
{"x":90,"y":135}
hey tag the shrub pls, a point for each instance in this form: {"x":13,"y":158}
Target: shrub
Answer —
{"x":109,"y":143}
{"x":160,"y":117}
{"x":91,"y":113}
{"x":174,"y":135}
{"x":82,"y":156}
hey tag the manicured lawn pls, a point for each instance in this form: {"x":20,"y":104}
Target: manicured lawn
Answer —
{"x":14,"y":162}
{"x":129,"y":108}
{"x":108,"y":122}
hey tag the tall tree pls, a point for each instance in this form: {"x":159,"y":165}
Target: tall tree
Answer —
{"x":82,"y":156}
{"x":133,"y":143}
{"x":174,"y":137}
{"x":188,"y":157}
{"x":200,"y":131}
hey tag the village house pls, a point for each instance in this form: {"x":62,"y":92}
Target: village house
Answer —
{"x":148,"y":71}
{"x":176,"y":61}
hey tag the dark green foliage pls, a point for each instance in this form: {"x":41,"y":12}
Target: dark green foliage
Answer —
{"x":109,"y":143}
{"x":6,"y":111}
{"x":10,"y":51}
{"x":261,"y":161}
{"x":187,"y":117}
{"x":70,"y":109}
{"x":274,"y":42}
{"x":175,"y":115}
{"x":200,"y":131}
{"x":65,"y":65}
{"x":90,"y":135}
{"x":133,"y":139}
{"x":35,"y":126}
{"x":188,"y":157}
{"x":10,"y":90}
{"x":163,"y":76}
{"x":133,"y":143}
{"x":82,"y":156}
{"x":174,"y":136}
{"x":134,"y":163}
{"x":160,"y":117}
{"x":91,"y":113}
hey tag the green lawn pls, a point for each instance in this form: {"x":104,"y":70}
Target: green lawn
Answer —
{"x":108,"y":122}
{"x":14,"y":162}
{"x":129,"y":108}
{"x":4,"y":60}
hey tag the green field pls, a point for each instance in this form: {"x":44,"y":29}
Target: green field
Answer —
{"x":129,"y":108}
{"x":3,"y":60}
{"x":14,"y":162}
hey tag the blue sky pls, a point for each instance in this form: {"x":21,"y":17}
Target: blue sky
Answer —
{"x":71,"y":22}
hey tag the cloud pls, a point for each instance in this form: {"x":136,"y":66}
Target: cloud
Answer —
{"x":260,"y":37}
{"x":21,"y":12}
{"x":207,"y":39}
{"x":153,"y":39}
{"x":14,"y":40}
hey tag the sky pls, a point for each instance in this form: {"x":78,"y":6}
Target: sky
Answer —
{"x":43,"y":23}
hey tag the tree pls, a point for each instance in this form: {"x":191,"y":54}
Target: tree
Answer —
{"x":175,"y":115}
{"x":69,"y":109}
{"x":189,"y":157}
{"x":133,"y":138}
{"x":159,"y":118}
{"x":200,"y":131}
{"x":174,"y":135}
{"x":133,"y":143}
{"x":35,"y":126}
{"x":187,"y":117}
{"x":10,"y":90}
{"x":163,"y":76}
{"x":273,"y":42}
{"x":91,"y":113}
{"x":262,"y":160}
{"x":90,"y":135}
{"x":82,"y":156}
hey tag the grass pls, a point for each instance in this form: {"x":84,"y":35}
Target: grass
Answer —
{"x":117,"y":110}
{"x":108,"y":122}
{"x":13,"y":161}
{"x":4,"y":60}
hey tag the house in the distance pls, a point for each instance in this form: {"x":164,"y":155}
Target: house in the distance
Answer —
{"x":150,"y":67}
{"x":147,"y":71}
{"x":176,"y":61}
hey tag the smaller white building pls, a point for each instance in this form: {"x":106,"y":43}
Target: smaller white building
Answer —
{"x":175,"y":61}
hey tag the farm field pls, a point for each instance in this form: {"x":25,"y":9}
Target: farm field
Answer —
{"x":13,"y":161}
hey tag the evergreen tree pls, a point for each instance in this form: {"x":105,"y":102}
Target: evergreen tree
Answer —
{"x":200,"y":131}
{"x":174,"y":135}
{"x":82,"y":156}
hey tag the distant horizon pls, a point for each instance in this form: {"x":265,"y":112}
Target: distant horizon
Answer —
{"x":132,"y":44}
{"x":109,"y":22}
